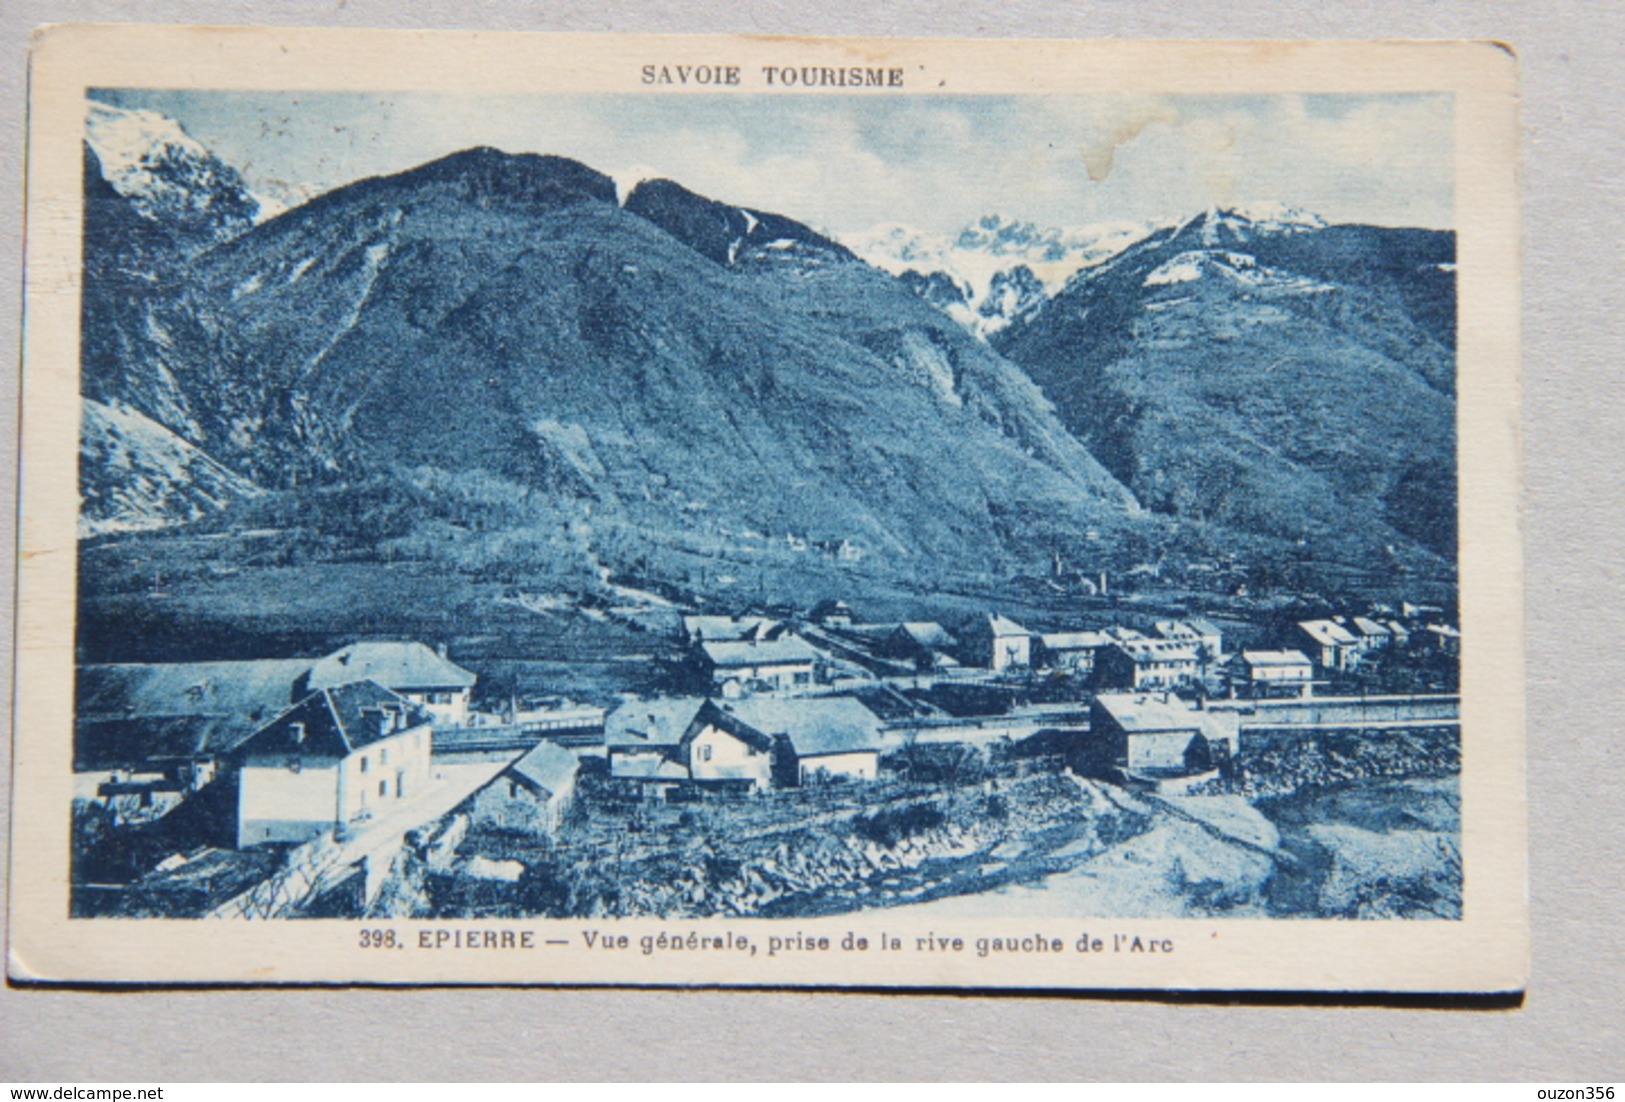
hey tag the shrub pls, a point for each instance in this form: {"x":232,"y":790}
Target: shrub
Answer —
{"x":892,"y":825}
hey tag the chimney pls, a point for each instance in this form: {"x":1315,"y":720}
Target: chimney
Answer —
{"x":442,"y":650}
{"x":1102,"y":583}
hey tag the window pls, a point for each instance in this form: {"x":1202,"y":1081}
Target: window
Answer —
{"x":363,"y":763}
{"x":705,"y":753}
{"x":383,"y":788}
{"x":383,"y":756}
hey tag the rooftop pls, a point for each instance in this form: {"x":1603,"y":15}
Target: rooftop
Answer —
{"x":547,"y":766}
{"x":398,"y":665}
{"x":720,"y":628}
{"x":1146,"y":712}
{"x":131,"y":713}
{"x":787,"y":648}
{"x":814,"y":725}
{"x":926,"y":633}
{"x":1159,"y":650}
{"x":1326,"y":633}
{"x":1275,"y":658}
{"x":651,"y":768}
{"x":1367,"y":626}
{"x":645,"y":723}
{"x":1075,"y":640}
{"x":337,"y":722}
{"x":1003,"y":625}
{"x":188,"y":688}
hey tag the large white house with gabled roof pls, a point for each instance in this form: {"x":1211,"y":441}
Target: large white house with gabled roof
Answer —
{"x":339,"y":756}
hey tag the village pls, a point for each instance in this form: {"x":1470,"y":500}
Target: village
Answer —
{"x":381,"y":778}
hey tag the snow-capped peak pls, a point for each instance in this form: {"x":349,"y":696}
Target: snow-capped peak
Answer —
{"x":125,"y":141}
{"x":986,"y":257}
{"x":1272,"y":214}
{"x":1242,"y":221}
{"x":150,"y":159}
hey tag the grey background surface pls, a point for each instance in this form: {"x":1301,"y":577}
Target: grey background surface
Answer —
{"x":1568,"y":1028}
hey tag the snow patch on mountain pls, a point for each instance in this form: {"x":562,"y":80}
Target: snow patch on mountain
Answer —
{"x":1198,"y":264}
{"x":628,"y":179}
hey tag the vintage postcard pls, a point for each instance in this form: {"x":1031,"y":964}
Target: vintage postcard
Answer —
{"x":758,"y":511}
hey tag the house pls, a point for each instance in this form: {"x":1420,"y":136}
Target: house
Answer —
{"x":1442,"y":638}
{"x":830,"y":737}
{"x":1147,"y":664}
{"x":640,"y":736}
{"x":531,"y":794}
{"x":923,"y":642}
{"x":1158,"y":735}
{"x":418,"y":672}
{"x":742,"y":745}
{"x":338,"y":757}
{"x":1370,"y":634}
{"x":719,"y":750}
{"x":831,"y":614}
{"x":1264,"y":673}
{"x":1332,"y":646}
{"x":1203,"y":633}
{"x":737,"y":667}
{"x":997,"y":643}
{"x":1073,"y":651}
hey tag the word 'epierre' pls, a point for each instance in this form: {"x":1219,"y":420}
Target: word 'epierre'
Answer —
{"x":775,"y":76}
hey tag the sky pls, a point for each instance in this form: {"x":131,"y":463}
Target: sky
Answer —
{"x":848,"y":163}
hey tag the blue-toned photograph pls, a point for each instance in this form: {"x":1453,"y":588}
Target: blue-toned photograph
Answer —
{"x":775,"y":506}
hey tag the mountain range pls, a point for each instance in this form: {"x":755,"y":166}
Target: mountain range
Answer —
{"x":1295,"y":381}
{"x":496,"y":356}
{"x":668,"y":369}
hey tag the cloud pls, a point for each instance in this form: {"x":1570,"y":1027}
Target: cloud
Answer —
{"x":847,"y":162}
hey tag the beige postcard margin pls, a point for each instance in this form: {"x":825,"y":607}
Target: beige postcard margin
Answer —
{"x":1486,"y":950}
